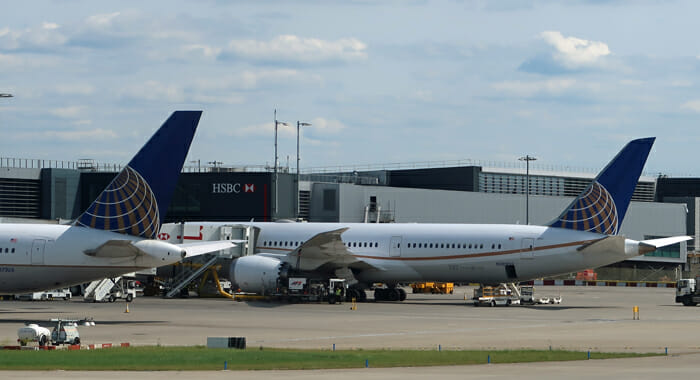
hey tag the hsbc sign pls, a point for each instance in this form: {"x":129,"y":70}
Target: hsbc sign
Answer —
{"x":232,"y":188}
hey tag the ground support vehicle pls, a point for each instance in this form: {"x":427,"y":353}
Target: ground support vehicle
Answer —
{"x":500,"y":295}
{"x":65,"y":331}
{"x":510,"y":294}
{"x":433,"y":287}
{"x":687,"y":291}
{"x":33,"y":333}
{"x":48,"y":295}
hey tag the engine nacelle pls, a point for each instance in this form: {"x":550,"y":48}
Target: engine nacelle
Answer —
{"x":258,"y":274}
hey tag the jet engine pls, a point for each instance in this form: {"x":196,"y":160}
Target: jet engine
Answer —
{"x":258,"y":274}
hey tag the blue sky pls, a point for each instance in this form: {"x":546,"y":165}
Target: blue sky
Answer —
{"x":380,"y":81}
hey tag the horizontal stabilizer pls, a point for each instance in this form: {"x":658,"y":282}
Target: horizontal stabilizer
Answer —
{"x":662,"y":242}
{"x":201,"y":248}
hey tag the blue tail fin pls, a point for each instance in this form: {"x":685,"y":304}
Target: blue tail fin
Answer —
{"x":136,"y":200}
{"x":602,"y":206}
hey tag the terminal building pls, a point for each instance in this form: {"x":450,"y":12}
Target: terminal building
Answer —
{"x":461,"y":193}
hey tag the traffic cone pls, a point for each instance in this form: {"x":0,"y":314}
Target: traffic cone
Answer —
{"x":127,"y":308}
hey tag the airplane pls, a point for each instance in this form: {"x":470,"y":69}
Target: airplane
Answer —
{"x":585,"y":235}
{"x":116,"y":234}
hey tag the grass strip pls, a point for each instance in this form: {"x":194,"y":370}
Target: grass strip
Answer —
{"x":201,"y":358}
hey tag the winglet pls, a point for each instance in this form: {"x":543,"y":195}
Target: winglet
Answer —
{"x":602,"y":206}
{"x":136,"y":200}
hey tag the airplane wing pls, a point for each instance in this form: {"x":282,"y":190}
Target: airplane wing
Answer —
{"x":132,"y":249}
{"x":324,"y":248}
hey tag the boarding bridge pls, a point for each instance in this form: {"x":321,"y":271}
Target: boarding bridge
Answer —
{"x":98,"y":290}
{"x":193,"y":268}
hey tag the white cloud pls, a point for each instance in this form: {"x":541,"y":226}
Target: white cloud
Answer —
{"x":692,"y":105}
{"x":528,"y":89}
{"x":74,"y":89}
{"x":209,"y":52}
{"x":319,"y":126}
{"x":67,"y":112}
{"x":297,"y":49}
{"x":43,"y":38}
{"x":50,"y":25}
{"x":575,"y":52}
{"x":325,"y":126}
{"x":74,"y":135}
{"x":155,"y":91}
{"x":102,"y":20}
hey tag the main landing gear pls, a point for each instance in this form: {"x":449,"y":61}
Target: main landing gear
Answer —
{"x":389,"y":294}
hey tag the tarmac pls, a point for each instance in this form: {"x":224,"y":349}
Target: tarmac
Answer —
{"x":589,"y":319}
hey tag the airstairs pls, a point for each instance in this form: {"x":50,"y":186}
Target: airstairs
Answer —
{"x":98,"y":290}
{"x":198,"y":265}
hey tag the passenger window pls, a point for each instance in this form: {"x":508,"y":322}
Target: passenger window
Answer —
{"x":481,"y":246}
{"x":499,"y":246}
{"x":431,"y":245}
{"x":470,"y":246}
{"x":13,"y":250}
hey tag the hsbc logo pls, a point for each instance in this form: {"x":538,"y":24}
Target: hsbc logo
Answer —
{"x":232,"y":188}
{"x":163,"y":236}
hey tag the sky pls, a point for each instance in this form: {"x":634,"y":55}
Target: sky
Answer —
{"x":381,"y":82}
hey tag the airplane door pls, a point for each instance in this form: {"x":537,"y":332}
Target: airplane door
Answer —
{"x":38,"y":251}
{"x":527,"y":249}
{"x":395,"y":248}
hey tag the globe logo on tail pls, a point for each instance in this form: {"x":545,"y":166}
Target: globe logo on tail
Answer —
{"x":593,"y":211}
{"x":127,"y":206}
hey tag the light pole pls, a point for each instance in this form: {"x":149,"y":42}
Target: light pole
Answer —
{"x":275,"y":209}
{"x":299,"y":124}
{"x":527,"y":159}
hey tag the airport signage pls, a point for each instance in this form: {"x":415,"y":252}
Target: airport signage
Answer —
{"x":232,"y":188}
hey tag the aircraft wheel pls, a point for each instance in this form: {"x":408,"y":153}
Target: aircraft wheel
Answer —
{"x":112,"y":298}
{"x":402,"y":295}
{"x":394,"y":295}
{"x":76,"y":341}
{"x":493,"y":303}
{"x":379,"y":295}
{"x":42,"y":341}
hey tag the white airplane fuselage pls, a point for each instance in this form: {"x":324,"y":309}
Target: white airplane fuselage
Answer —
{"x":39,"y":257}
{"x":480,"y":253}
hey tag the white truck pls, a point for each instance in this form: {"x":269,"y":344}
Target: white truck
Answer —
{"x":46,"y":295}
{"x":687,"y":291}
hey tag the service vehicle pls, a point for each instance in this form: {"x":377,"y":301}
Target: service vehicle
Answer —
{"x":47,"y":295}
{"x":687,"y":291}
{"x":33,"y":333}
